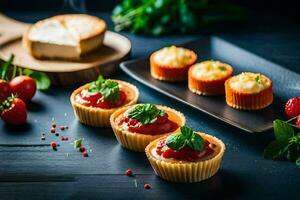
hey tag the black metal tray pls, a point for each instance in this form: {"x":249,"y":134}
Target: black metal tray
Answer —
{"x":286,"y":83}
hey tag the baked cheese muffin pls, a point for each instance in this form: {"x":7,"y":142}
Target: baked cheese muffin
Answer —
{"x":208,"y":77}
{"x":249,"y":91}
{"x":171,"y":63}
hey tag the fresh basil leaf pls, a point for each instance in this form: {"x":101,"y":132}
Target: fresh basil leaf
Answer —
{"x":196,"y":142}
{"x":146,"y":113}
{"x":293,"y":152}
{"x":282,"y":130}
{"x":108,"y":88}
{"x":275,"y":149}
{"x":298,"y":162}
{"x":187,"y":131}
{"x":176,"y":141}
{"x":185,"y":138}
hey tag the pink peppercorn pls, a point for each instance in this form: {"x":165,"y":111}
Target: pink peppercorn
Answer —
{"x":53,"y":144}
{"x":82,"y":149}
{"x":129,"y":172}
{"x":62,"y":128}
{"x":85,"y":154}
{"x":147,"y":186}
{"x":52,"y":130}
{"x":53,"y":125}
{"x":62,"y":138}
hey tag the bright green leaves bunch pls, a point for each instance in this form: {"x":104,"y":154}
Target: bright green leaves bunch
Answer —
{"x":185,"y":138}
{"x":108,"y":88}
{"x":145,"y":113}
{"x":156,"y":17}
{"x":287,"y":144}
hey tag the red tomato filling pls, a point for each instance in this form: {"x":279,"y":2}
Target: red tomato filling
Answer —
{"x":185,"y":154}
{"x":96,"y":100}
{"x":160,"y":126}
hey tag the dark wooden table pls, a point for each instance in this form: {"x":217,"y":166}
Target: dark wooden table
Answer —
{"x":29,"y":170}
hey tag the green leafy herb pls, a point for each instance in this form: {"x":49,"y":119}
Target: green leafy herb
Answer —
{"x":146,"y":113}
{"x":78,"y":143}
{"x":222,"y":68}
{"x":8,"y":71}
{"x":108,"y":88}
{"x":298,"y":162}
{"x":185,"y":138}
{"x":157,"y":17}
{"x":258,"y":79}
{"x":287,"y":144}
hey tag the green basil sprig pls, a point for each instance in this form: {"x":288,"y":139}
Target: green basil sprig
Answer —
{"x":146,"y":113}
{"x":286,"y":143}
{"x":157,"y":17}
{"x":185,"y":138}
{"x":108,"y":88}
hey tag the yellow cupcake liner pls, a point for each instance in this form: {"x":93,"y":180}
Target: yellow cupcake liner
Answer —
{"x":137,"y":141}
{"x":99,"y":117}
{"x":186,"y":172}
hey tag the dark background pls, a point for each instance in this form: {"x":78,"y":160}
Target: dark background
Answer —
{"x":286,"y":8}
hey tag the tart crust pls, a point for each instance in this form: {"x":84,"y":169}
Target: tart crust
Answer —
{"x":208,"y":87}
{"x":169,"y":72}
{"x":248,"y":101}
{"x":137,"y":141}
{"x":186,"y":172}
{"x":99,"y":117}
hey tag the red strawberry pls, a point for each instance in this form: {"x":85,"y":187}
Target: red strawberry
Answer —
{"x":298,"y":121}
{"x":14,"y":111}
{"x":5,"y":90}
{"x":292,"y":107}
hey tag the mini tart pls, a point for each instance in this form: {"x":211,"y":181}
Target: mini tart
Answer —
{"x":99,"y":117}
{"x":247,"y":92}
{"x":183,"y":171}
{"x":171,"y":63}
{"x":208,"y":77}
{"x":137,"y":141}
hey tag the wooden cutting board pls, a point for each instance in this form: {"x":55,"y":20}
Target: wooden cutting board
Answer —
{"x":105,"y":60}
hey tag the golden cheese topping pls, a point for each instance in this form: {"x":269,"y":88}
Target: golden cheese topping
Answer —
{"x":210,"y":70}
{"x":173,"y":56}
{"x":250,"y":82}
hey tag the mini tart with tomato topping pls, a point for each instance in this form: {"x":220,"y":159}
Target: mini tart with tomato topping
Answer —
{"x":249,"y":91}
{"x":186,"y":156}
{"x":94,"y":102}
{"x":208,"y":77}
{"x":171,"y":63}
{"x":136,"y":126}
